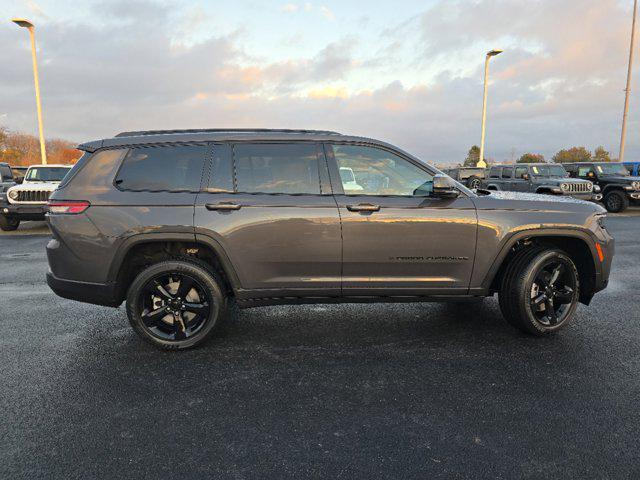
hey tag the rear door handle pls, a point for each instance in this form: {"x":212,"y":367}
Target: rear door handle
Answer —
{"x":363,"y":207}
{"x":223,"y":206}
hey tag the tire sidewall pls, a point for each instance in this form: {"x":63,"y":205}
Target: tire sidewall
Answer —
{"x":524,"y":295}
{"x":205,"y":277}
{"x":9,"y":224}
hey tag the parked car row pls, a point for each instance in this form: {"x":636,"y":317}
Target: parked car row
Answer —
{"x":616,"y":185}
{"x":26,"y":197}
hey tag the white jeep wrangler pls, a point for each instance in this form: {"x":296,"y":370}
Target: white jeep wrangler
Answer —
{"x":28,"y":201}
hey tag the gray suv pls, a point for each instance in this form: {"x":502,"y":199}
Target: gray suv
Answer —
{"x":543,"y":178}
{"x":183,"y":224}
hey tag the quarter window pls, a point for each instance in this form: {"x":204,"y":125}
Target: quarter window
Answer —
{"x":290,"y":168}
{"x":166,"y":168}
{"x":373,"y":171}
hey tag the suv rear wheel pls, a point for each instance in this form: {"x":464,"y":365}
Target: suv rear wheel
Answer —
{"x":175,"y":304}
{"x":9,"y":224}
{"x":616,"y":201}
{"x":474,"y":182}
{"x":540,"y":290}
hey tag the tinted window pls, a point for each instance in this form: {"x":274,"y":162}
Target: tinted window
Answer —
{"x":221,"y":174}
{"x":168,"y":168}
{"x":373,"y":171}
{"x":5,"y":172}
{"x":277,"y":168}
{"x":507,"y":172}
{"x":495,"y":172}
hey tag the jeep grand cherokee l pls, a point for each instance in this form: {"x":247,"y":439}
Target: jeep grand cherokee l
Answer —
{"x":181,"y":223}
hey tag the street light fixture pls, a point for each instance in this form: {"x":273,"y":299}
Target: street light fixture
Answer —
{"x":490,"y":53}
{"x":24,"y":23}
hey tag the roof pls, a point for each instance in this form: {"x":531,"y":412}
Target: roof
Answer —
{"x":219,"y":135}
{"x":539,"y":164}
{"x":50,"y":165}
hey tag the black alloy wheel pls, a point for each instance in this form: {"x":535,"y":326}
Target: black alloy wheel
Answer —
{"x":553,"y":293}
{"x":175,"y":304}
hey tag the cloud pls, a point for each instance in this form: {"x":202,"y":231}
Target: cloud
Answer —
{"x":327,"y":13}
{"x":417,"y":84}
{"x":289,"y":8}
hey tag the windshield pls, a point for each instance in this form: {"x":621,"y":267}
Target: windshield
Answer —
{"x":46,"y":174}
{"x":549,"y":170}
{"x":612,"y":169}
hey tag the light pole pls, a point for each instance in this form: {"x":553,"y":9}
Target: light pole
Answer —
{"x":491,"y":53}
{"x":623,"y":135}
{"x":22,"y":22}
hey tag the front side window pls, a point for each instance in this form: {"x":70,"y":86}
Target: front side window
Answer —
{"x":46,"y":174}
{"x":373,"y":171}
{"x":164,"y":168}
{"x":521,"y":171}
{"x":277,"y":168}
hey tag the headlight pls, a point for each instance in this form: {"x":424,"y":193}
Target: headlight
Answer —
{"x":564,"y":186}
{"x":596,"y":188}
{"x":13,"y":194}
{"x":635,"y":185}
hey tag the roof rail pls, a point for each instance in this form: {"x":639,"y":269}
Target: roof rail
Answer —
{"x":223,"y":130}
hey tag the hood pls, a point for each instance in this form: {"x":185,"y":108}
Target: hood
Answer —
{"x":38,"y":186}
{"x":559,"y":180}
{"x":534,"y":202}
{"x":620,"y":178}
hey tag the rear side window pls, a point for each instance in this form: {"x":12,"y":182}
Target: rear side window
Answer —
{"x":5,"y":173}
{"x":507,"y":172}
{"x":290,"y":168}
{"x":495,"y":172}
{"x":166,"y":168}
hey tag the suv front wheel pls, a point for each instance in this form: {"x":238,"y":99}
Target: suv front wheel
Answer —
{"x":175,"y":304}
{"x":540,"y":290}
{"x":616,"y":201}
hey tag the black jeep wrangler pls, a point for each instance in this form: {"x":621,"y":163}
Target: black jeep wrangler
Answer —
{"x":618,"y":187}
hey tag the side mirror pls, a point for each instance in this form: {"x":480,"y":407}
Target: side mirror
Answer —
{"x":591,"y":174}
{"x":19,"y":180}
{"x":444,"y":187}
{"x":525,"y":176}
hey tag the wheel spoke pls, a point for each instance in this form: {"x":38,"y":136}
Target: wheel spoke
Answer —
{"x":537,"y":301}
{"x":543,"y":279}
{"x":162,"y":291}
{"x":179,"y":327}
{"x":556,"y":274}
{"x":564,"y":295}
{"x":197,"y":308}
{"x":551,"y":312}
{"x":150,"y":319}
{"x":186,"y":283}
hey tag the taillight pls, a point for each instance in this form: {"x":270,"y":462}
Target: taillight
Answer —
{"x":68,"y":206}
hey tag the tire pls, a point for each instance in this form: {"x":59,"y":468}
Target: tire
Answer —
{"x":8,"y":224}
{"x":473,"y":182}
{"x":183,"y":311}
{"x":615,"y":201}
{"x":540,"y":291}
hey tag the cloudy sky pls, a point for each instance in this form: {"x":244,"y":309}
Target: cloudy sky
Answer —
{"x":409,"y":72}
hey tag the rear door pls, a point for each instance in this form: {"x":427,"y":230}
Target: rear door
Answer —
{"x":518,"y":183}
{"x":394,"y":242}
{"x":270,"y":208}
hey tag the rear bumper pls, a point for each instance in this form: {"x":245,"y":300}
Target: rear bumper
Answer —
{"x":95,"y":293}
{"x":23,"y":212}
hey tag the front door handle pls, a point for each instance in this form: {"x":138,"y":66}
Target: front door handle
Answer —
{"x":223,"y":206}
{"x":363,"y":207}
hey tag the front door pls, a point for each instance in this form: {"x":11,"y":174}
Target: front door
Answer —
{"x":397,"y":239}
{"x":269,"y":206}
{"x":519,"y":184}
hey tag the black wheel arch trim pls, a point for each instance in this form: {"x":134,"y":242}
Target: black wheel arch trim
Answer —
{"x":127,"y":244}
{"x":510,"y":241}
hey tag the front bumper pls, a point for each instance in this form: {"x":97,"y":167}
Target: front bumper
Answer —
{"x":24,"y":211}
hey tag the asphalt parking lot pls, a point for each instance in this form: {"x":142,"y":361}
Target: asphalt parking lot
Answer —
{"x":351,"y":391}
